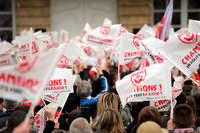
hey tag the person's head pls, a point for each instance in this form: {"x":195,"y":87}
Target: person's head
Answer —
{"x":79,"y":125}
{"x":72,"y":103}
{"x":10,"y":105}
{"x":106,"y":101}
{"x":181,"y":99}
{"x":149,"y":113}
{"x":108,"y":63}
{"x":150,"y":127}
{"x":183,"y":116}
{"x":191,"y":102}
{"x":110,"y":121}
{"x":187,"y":90}
{"x":84,"y":89}
{"x":24,"y":108}
{"x":188,"y":82}
{"x":73,"y":115}
{"x":15,"y":119}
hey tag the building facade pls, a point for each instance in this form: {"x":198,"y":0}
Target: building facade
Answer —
{"x":71,"y":15}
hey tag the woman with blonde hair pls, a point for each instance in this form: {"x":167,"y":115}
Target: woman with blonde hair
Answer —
{"x":110,"y":121}
{"x":110,"y":100}
{"x":107,"y":101}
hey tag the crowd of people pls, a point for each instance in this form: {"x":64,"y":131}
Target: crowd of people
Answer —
{"x":95,"y":107}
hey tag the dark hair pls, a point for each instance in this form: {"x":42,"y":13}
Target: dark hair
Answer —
{"x":10,"y":105}
{"x":1,"y":100}
{"x":73,"y":115}
{"x":191,"y":102}
{"x":181,"y":99}
{"x":183,"y":116}
{"x":197,"y":100}
{"x":188,"y":82}
{"x":187,"y":90}
{"x":149,"y":113}
{"x":72,"y":102}
{"x":15,"y":119}
{"x":24,"y":108}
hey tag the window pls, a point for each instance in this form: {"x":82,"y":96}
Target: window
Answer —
{"x":183,"y":11}
{"x":6,"y":20}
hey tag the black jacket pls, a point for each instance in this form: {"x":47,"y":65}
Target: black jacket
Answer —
{"x":4,"y":117}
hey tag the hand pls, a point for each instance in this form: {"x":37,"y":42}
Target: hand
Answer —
{"x":91,"y":123}
{"x":48,"y":113}
{"x":170,"y":124}
{"x":56,"y":123}
{"x":99,"y":69}
{"x":24,"y":127}
{"x":83,"y":66}
{"x":76,"y":67}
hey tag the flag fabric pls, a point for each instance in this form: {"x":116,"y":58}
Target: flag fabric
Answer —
{"x":150,"y":83}
{"x":163,"y":29}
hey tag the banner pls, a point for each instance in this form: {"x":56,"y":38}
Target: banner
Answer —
{"x":74,"y":53}
{"x":153,"y":44}
{"x":146,"y":32}
{"x":40,"y":118}
{"x":24,"y":44}
{"x":59,"y":87}
{"x":63,"y":36}
{"x":105,"y":35}
{"x":150,"y":83}
{"x":129,"y":48}
{"x":28,"y":78}
{"x":183,"y":50}
{"x":5,"y":53}
{"x":164,"y":105}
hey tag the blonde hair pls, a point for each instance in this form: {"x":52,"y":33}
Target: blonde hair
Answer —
{"x":107,"y":101}
{"x":110,"y":121}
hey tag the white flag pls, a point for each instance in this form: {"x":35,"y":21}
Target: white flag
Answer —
{"x":28,"y":78}
{"x":150,"y":83}
{"x":183,"y":50}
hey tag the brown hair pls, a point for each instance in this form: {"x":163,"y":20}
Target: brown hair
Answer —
{"x":183,"y":116}
{"x":107,"y":101}
{"x":191,"y":102}
{"x":149,"y":113}
{"x":111,"y":121}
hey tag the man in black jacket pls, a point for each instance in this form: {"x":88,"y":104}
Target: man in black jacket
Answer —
{"x":10,"y":108}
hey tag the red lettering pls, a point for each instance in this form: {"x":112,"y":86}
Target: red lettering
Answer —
{"x":150,"y":87}
{"x":145,"y":88}
{"x":2,"y":77}
{"x":156,"y":104}
{"x":187,"y":57}
{"x":65,"y":81}
{"x":192,"y":54}
{"x":18,"y":81}
{"x":160,"y":87}
{"x":183,"y":61}
{"x":50,"y":83}
{"x":4,"y":62}
{"x":154,"y":87}
{"x":11,"y":78}
{"x":56,"y":82}
{"x":162,"y":102}
{"x":196,"y":48}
